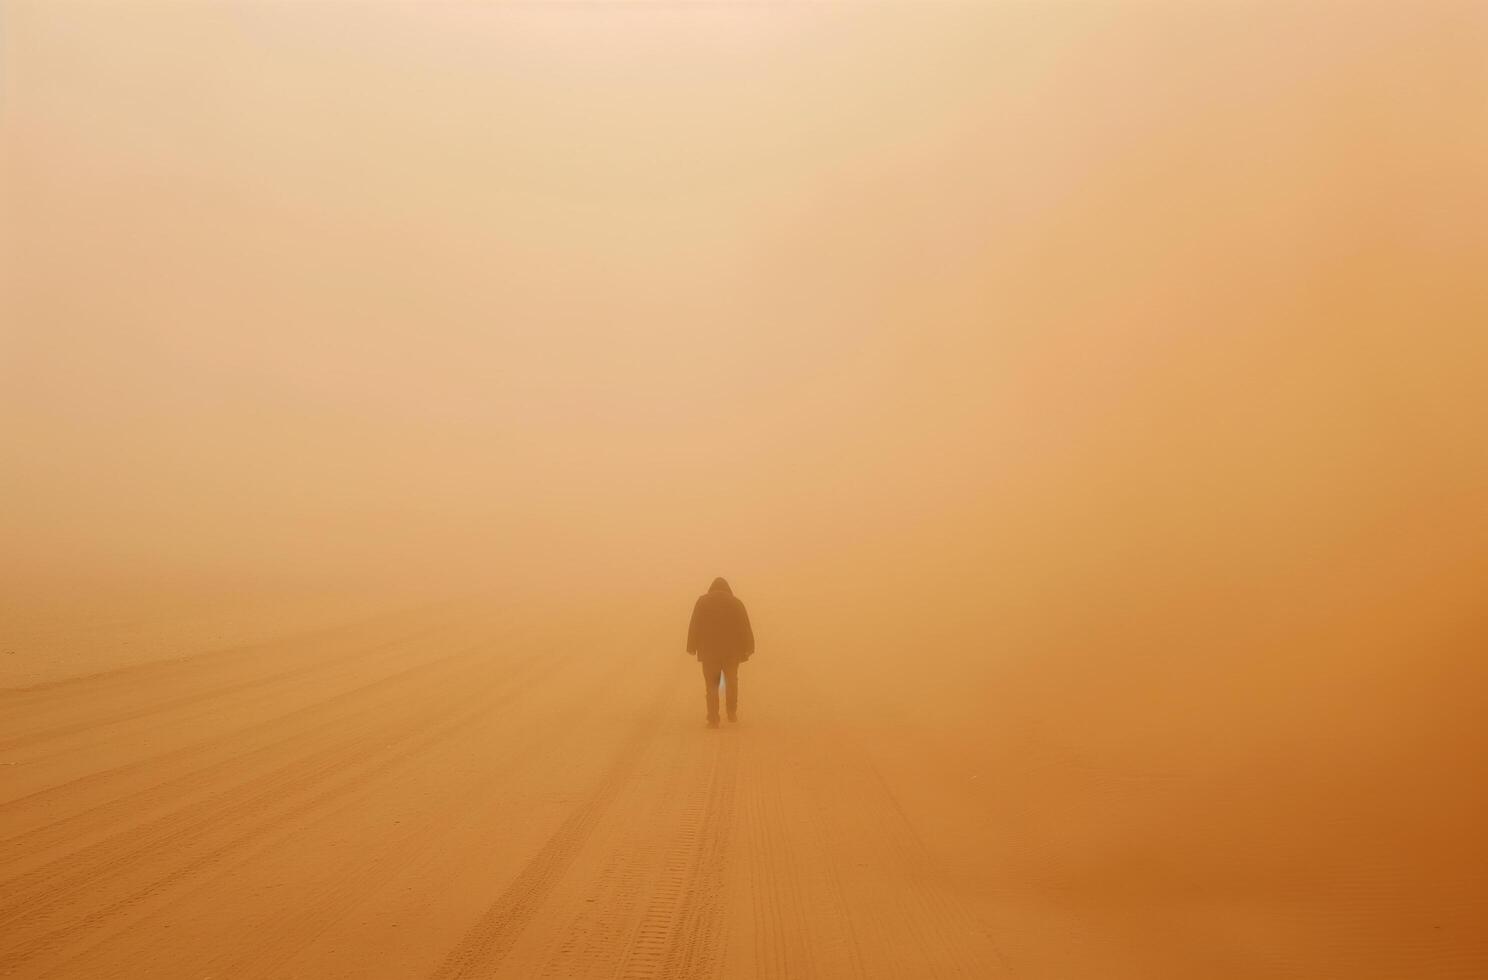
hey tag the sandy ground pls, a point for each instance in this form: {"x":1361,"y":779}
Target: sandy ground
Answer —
{"x":415,"y":798}
{"x":432,"y":794}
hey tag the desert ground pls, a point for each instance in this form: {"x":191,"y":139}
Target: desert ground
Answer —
{"x":448,"y":790}
{"x":438,"y":794}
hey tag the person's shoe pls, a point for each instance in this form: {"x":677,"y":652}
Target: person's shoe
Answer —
{"x":712,"y":722}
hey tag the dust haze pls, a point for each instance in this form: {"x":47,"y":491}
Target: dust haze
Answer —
{"x":1086,"y":399}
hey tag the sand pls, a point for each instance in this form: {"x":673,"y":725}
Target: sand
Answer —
{"x":447,"y":792}
{"x":434,"y":798}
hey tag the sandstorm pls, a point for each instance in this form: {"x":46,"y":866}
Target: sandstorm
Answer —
{"x":1086,"y":398}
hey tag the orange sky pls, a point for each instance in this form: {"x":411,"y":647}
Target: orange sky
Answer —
{"x":979,"y":305}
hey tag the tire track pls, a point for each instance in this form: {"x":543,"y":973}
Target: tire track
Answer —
{"x":346,"y":766}
{"x":493,"y":935}
{"x":321,"y":665}
{"x":368,"y":871}
{"x":374,"y":660}
{"x":680,"y":935}
{"x":307,"y":921}
{"x":612,"y":907}
{"x":77,"y":825}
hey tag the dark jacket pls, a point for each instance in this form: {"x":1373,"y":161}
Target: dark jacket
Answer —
{"x":720,"y":627}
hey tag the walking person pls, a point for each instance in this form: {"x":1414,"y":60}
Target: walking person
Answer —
{"x":721,"y":637}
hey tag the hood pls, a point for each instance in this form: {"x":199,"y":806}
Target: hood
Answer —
{"x":719,"y":585}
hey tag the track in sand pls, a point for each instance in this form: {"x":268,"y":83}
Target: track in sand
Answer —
{"x":416,"y":797}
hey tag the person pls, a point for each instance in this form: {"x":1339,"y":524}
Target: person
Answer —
{"x":721,"y":637}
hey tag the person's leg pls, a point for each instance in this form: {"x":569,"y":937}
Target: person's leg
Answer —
{"x":731,"y":694}
{"x":710,"y":685}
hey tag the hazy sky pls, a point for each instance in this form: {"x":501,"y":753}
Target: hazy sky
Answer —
{"x":975,"y":302}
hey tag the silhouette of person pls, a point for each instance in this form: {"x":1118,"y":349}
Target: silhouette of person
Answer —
{"x":722,"y":638}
